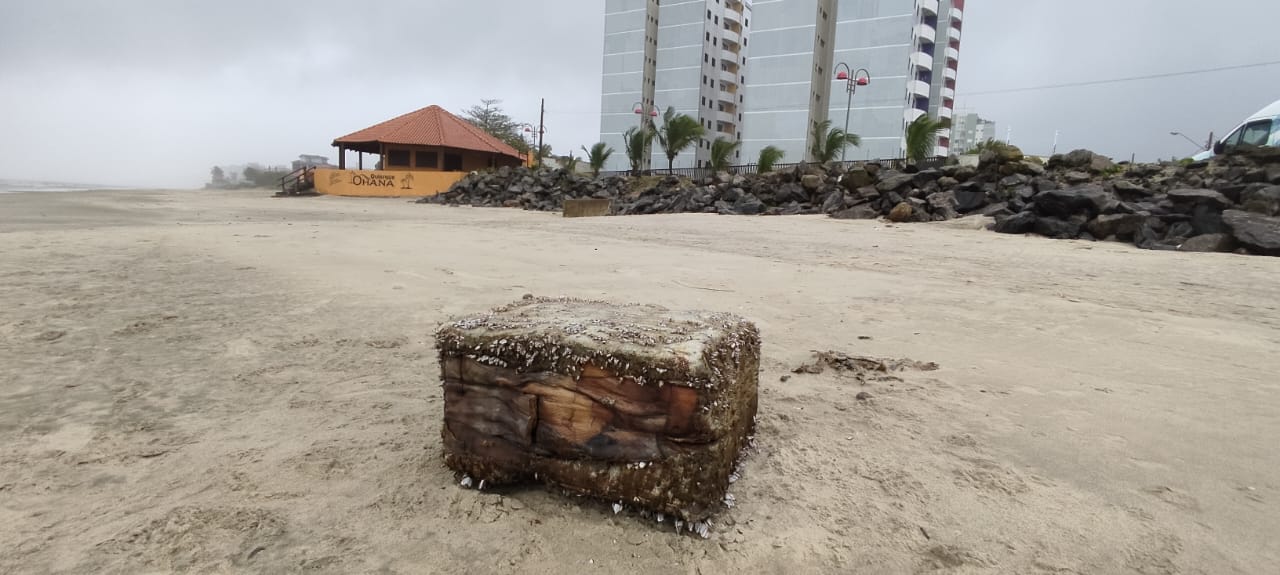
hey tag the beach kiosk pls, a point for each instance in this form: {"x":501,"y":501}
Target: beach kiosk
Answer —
{"x":421,"y":153}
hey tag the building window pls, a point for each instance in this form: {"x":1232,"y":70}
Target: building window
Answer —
{"x":704,"y":100}
{"x":453,"y":162}
{"x":708,"y":14}
{"x":398,"y":158}
{"x":717,"y":20}
{"x":714,"y":41}
{"x":428,"y":159}
{"x":705,"y":57}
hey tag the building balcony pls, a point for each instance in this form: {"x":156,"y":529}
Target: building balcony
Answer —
{"x":727,"y":77}
{"x":953,"y":33}
{"x":944,"y":134}
{"x":922,"y":61}
{"x":928,"y":6}
{"x":945,"y":112}
{"x":732,"y":15}
{"x":948,"y":93}
{"x":911,"y":114}
{"x":728,"y":92}
{"x":727,"y":117}
{"x":730,"y":52}
{"x":949,"y":73}
{"x":953,"y":54}
{"x":926,"y":32}
{"x":918,"y":88}
{"x":957,"y":14}
{"x":730,"y":36}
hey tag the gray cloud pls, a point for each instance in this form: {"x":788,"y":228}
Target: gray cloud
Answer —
{"x":153,"y":92}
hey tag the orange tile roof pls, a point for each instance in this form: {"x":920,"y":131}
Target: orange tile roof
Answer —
{"x":430,"y":126}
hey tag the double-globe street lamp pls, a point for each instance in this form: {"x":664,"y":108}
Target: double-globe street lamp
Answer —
{"x":646,"y":117}
{"x":853,"y":79}
{"x":535,"y":144}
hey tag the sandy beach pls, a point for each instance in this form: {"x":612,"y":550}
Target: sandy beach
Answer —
{"x":228,"y":382}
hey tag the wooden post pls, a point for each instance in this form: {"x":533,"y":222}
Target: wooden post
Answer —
{"x":342,"y":157}
{"x":360,"y":160}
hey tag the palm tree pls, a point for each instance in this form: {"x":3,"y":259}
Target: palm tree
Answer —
{"x":570,"y":163}
{"x":597,"y":156}
{"x":637,"y":141}
{"x":721,"y":152}
{"x":922,"y":136}
{"x":829,"y":142}
{"x":769,"y":155}
{"x":677,"y":133}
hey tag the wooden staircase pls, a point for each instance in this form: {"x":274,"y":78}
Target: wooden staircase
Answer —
{"x":300,"y":182}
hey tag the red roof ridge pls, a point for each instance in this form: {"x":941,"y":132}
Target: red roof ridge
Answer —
{"x":430,"y":126}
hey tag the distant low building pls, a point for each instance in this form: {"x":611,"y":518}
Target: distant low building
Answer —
{"x":312,"y":161}
{"x":969,"y":130}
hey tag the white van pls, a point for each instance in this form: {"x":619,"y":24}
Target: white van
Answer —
{"x":1261,"y":129}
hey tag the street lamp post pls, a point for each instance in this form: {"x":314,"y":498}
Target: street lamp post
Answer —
{"x":645,"y":117}
{"x":535,"y":140}
{"x":853,"y":79}
{"x":1198,"y":145}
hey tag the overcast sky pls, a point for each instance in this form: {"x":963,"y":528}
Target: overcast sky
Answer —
{"x":154,"y":92}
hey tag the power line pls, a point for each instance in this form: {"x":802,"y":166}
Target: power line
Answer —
{"x":1119,"y":80}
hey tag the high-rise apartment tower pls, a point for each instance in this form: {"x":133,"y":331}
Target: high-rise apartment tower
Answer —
{"x":693,"y":56}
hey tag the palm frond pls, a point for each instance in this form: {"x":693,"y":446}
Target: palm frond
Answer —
{"x":922,"y":136}
{"x":769,"y":155}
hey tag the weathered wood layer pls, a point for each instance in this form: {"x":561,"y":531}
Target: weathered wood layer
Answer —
{"x":664,"y":445}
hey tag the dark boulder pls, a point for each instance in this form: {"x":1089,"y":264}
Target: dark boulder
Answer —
{"x":894,"y":181}
{"x":969,"y":199}
{"x":1206,"y":219}
{"x":856,"y":178}
{"x":1258,"y":233}
{"x":997,"y":210}
{"x":861,"y":212}
{"x":749,"y":205}
{"x":1089,"y":199}
{"x":1129,"y":190}
{"x":1265,"y":201}
{"x":1194,"y":196}
{"x":1058,"y":228}
{"x":1019,"y":223}
{"x":1120,"y":226}
{"x":1209,"y":243}
{"x":834,"y":202}
{"x":1078,"y":159}
{"x":942,"y":205}
{"x":868,"y":193}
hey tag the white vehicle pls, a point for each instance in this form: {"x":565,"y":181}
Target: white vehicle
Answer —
{"x":1261,"y":129}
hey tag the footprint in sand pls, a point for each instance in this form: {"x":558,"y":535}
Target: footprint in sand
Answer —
{"x":1175,"y":498}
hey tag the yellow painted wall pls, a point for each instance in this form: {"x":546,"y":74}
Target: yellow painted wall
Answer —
{"x":385,"y":183}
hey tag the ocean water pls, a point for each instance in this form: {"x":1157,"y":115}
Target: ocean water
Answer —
{"x":12,"y":186}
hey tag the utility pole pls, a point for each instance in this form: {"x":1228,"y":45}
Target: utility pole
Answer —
{"x":542,"y":127}
{"x":1055,"y":143}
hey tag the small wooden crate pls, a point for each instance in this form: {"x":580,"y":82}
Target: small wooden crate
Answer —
{"x":631,"y":404}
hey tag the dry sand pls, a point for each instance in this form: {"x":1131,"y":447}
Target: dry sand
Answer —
{"x":231,"y":382}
